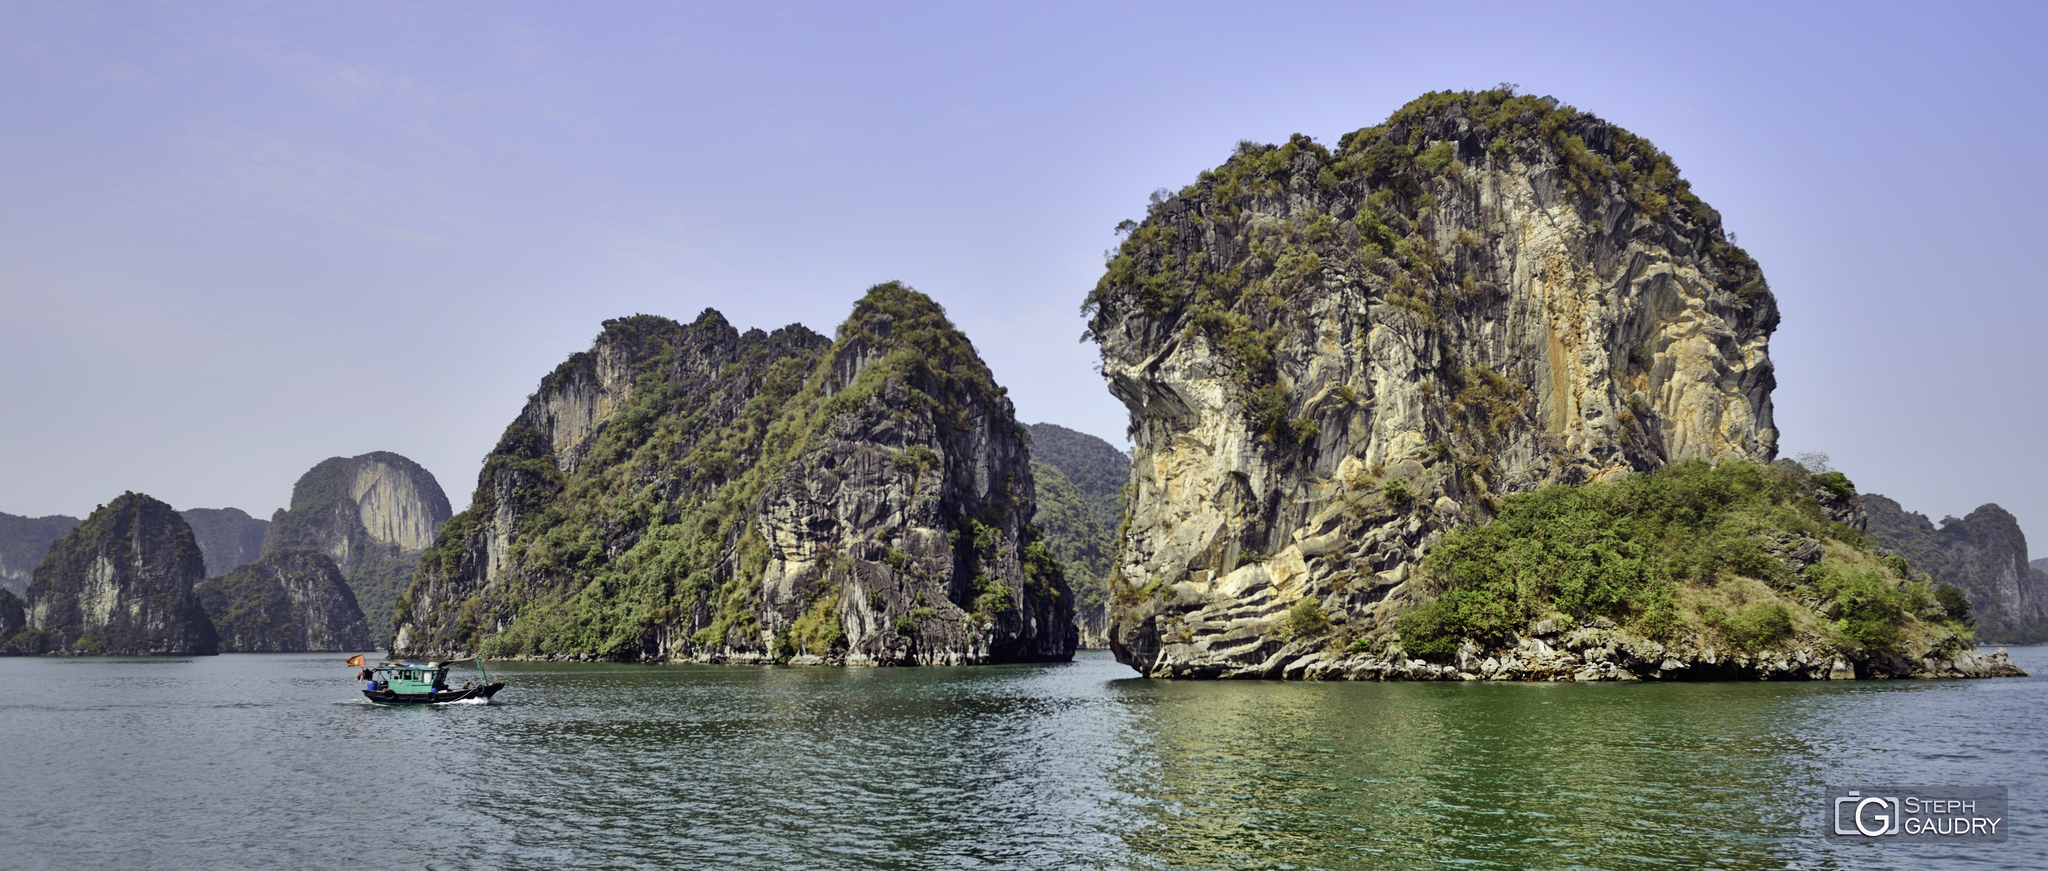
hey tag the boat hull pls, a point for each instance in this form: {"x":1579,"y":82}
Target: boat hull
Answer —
{"x":388,"y":697}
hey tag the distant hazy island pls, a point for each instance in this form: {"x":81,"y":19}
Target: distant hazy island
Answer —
{"x":137,"y":578}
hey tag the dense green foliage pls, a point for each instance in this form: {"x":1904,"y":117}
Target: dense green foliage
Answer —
{"x":686,"y":494}
{"x":1953,"y":601}
{"x":1096,"y":468}
{"x":1626,"y":550}
{"x":1080,"y":540}
{"x":1081,"y":482}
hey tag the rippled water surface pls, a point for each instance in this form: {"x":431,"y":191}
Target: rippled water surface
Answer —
{"x":275,"y":761}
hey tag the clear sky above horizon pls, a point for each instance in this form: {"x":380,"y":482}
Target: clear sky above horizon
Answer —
{"x":239,"y":238}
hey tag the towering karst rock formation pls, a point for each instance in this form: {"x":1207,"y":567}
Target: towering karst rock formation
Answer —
{"x":1332,"y":355}
{"x":120,"y":583}
{"x":374,"y":515}
{"x":288,"y":601}
{"x":697,"y":493}
{"x":24,"y":541}
{"x":228,"y":537}
{"x":1984,"y":555}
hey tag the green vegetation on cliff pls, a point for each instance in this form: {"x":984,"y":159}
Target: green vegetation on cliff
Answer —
{"x":1077,"y":536}
{"x":287,"y":601}
{"x":1982,"y":555}
{"x":1736,"y":551}
{"x":1096,"y":468}
{"x":1081,"y":482}
{"x":638,"y":535}
{"x":689,"y":491}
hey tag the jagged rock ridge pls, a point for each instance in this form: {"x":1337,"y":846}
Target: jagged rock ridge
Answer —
{"x":228,"y":537}
{"x":1330,"y":357}
{"x":691,"y":492}
{"x":24,"y":541}
{"x":1984,"y":555}
{"x":289,"y":601}
{"x":120,"y":583}
{"x":373,"y":514}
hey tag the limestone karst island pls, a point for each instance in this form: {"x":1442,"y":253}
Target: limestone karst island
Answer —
{"x":1481,"y":392}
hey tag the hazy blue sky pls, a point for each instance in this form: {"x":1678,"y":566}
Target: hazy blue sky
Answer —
{"x":236,"y":239}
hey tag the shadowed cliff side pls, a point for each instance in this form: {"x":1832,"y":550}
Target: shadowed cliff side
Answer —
{"x":691,"y":492}
{"x":228,"y":537}
{"x":289,"y":601}
{"x":24,"y":541}
{"x":1332,"y":356}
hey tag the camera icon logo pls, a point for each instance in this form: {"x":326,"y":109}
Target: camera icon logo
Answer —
{"x":1871,"y":816}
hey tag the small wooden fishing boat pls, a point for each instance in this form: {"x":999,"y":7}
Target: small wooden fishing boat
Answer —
{"x":405,"y":683}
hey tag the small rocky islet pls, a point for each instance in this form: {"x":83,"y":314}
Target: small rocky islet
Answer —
{"x":1481,"y":393}
{"x":1340,"y":362}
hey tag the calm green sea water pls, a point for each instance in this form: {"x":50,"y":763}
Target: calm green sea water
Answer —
{"x":275,"y":761}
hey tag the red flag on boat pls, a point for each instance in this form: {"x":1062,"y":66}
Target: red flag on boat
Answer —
{"x":355,"y":661}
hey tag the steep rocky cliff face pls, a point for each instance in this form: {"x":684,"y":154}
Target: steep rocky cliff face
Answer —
{"x":1332,"y":356}
{"x":1984,"y":555}
{"x":120,"y":583}
{"x":691,"y":492}
{"x":1080,"y":502}
{"x":374,"y":515}
{"x":288,"y":601}
{"x":228,"y":537}
{"x":24,"y":541}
